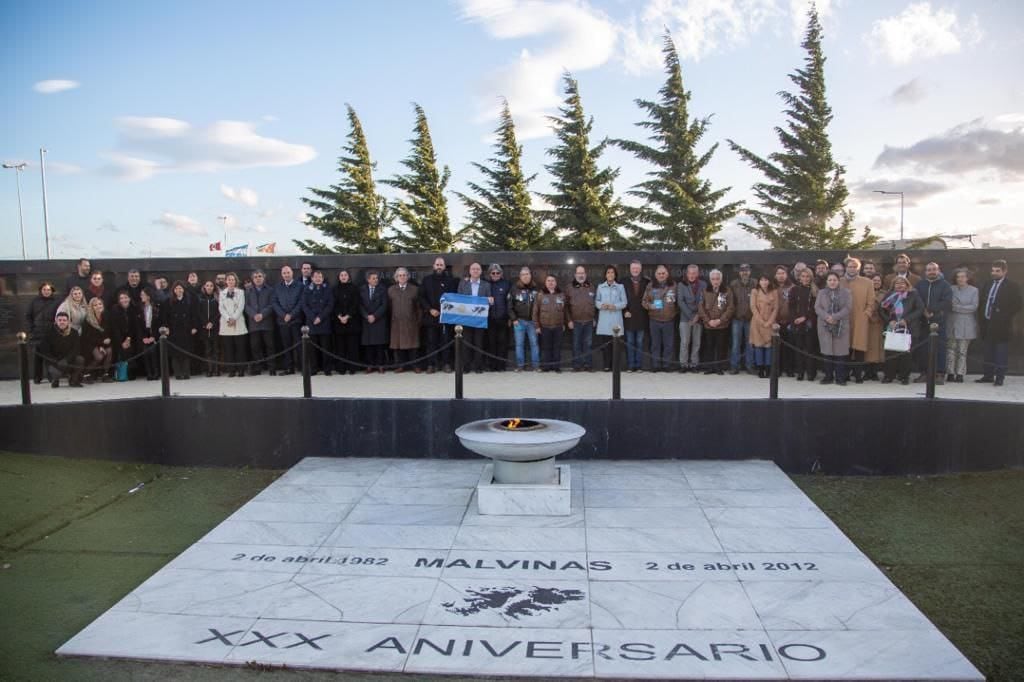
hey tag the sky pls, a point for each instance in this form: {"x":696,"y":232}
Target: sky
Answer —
{"x":158,"y":118}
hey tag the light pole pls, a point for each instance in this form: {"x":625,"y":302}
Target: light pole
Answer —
{"x":224,"y":219}
{"x":882,"y":191}
{"x":18,"y":167}
{"x":46,"y":215}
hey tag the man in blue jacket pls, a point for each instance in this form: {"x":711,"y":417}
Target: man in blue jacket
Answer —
{"x":937,"y":296}
{"x":259,"y":308}
{"x":498,"y":324}
{"x":287,"y":305}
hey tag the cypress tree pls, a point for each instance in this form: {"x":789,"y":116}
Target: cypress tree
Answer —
{"x":501,"y":219}
{"x":424,"y":209}
{"x":681,"y":207}
{"x":803,"y":197}
{"x":583,"y":204}
{"x":351,"y":213}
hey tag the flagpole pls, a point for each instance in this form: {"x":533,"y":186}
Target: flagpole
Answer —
{"x":224,"y":219}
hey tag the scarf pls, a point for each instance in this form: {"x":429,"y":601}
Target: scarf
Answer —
{"x":894,"y":303}
{"x":835,"y":328}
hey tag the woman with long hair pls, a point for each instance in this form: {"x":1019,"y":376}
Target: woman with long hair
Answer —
{"x":610,"y":301}
{"x":347,"y":323}
{"x":764,"y":309}
{"x":76,"y":308}
{"x":784,"y":287}
{"x":182,"y":319}
{"x":801,"y":328}
{"x":208,"y":318}
{"x":149,"y":326}
{"x":96,"y":345}
{"x":233,"y":332}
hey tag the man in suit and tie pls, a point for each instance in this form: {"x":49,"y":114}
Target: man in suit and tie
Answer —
{"x":475,"y":286}
{"x":999,"y":301}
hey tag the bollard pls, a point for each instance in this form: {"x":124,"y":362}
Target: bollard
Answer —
{"x":933,"y":347}
{"x":307,"y":380}
{"x":616,"y":363}
{"x":773,"y":383}
{"x":26,"y":383}
{"x":458,"y":362}
{"x":165,"y":370}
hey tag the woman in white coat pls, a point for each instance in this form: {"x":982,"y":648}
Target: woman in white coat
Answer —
{"x":233,"y":331}
{"x":610,"y":301}
{"x":961,"y":326}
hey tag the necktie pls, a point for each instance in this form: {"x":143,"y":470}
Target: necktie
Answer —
{"x":371,"y":292}
{"x":991,"y":299}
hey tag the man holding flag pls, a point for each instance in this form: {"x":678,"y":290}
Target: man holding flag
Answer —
{"x":474,"y":331}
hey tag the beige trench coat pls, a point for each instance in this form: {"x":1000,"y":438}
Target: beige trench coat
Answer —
{"x":405,"y":316}
{"x":862,"y":293}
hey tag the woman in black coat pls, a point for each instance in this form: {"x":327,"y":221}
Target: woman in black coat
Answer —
{"x":96,"y":343}
{"x":39,"y":321}
{"x":901,"y":311}
{"x":347,"y":322}
{"x":208,"y":321}
{"x":182,"y":320}
{"x":149,"y":324}
{"x":318,"y":308}
{"x":125,"y":333}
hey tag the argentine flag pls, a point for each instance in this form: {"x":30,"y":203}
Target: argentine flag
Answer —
{"x":469,"y":311}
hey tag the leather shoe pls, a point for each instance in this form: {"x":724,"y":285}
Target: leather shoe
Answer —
{"x":998,"y":382}
{"x":984,"y":380}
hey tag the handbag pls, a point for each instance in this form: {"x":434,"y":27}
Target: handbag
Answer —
{"x":897,"y":340}
{"x":121,"y":371}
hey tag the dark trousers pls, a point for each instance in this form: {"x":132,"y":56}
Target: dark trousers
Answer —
{"x":608,"y":351}
{"x":291,"y":334}
{"x":582,"y":343}
{"x":37,"y":362}
{"x":346,"y":346}
{"x":435,"y":336}
{"x":663,"y":341}
{"x":497,"y":343}
{"x":181,"y":365}
{"x":261,"y":344}
{"x":151,"y":360}
{"x":319,"y":361}
{"x":835,"y":368}
{"x":404,"y":357}
{"x":234,"y":351}
{"x":550,"y":347}
{"x":474,"y":358}
{"x":786,"y":359}
{"x":717,"y":343}
{"x":997,"y":358}
{"x":73,"y":370}
{"x":210,"y":344}
{"x":375,"y":355}
{"x":857,"y":370}
{"x":898,"y":365}
{"x":803,"y":362}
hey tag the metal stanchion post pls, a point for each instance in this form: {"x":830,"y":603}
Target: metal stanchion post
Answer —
{"x":773,"y":383}
{"x":26,"y":382}
{"x":307,"y":380}
{"x":458,"y":362}
{"x":616,"y":363}
{"x":165,"y":370}
{"x":933,"y":347}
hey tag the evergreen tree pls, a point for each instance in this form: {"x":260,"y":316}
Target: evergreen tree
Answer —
{"x":351,"y":212}
{"x":803,"y":197}
{"x":680,"y":205}
{"x":501,"y":219}
{"x":583,"y":204}
{"x":424,"y":208}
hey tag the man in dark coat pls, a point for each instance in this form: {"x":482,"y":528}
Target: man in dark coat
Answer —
{"x":498,"y":324}
{"x":635,"y":316}
{"x":937,"y":296}
{"x":475,"y":285}
{"x":435,"y":334}
{"x":287,"y":304}
{"x":80,"y":277}
{"x":373,"y":309}
{"x":259,"y":306}
{"x":998,"y":302}
{"x":133,"y":286}
{"x":62,"y":352}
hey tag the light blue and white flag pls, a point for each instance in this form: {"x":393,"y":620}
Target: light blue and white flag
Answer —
{"x":237,"y":251}
{"x":469,"y":311}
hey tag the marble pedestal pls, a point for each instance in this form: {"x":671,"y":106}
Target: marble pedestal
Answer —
{"x":532,"y":499}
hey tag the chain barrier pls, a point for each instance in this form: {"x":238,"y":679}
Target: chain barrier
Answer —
{"x":225,"y":363}
{"x":550,"y":363}
{"x":407,"y":363}
{"x":853,"y":363}
{"x":148,"y":349}
{"x":674,"y":362}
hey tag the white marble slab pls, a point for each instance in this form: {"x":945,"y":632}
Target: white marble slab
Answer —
{"x":375,"y":561}
{"x":293,"y":512}
{"x":508,"y":565}
{"x":639,"y":499}
{"x":405,"y":515}
{"x":233,"y":557}
{"x":784,"y":540}
{"x":691,"y":605}
{"x":427,"y":478}
{"x":767,"y":517}
{"x":652,"y":540}
{"x":618,"y":517}
{"x":753,"y":498}
{"x":330,"y":477}
{"x":241,"y":594}
{"x":767,"y":480}
{"x":521,"y":539}
{"x":352,"y":598}
{"x":445,"y":497}
{"x":536,"y":602}
{"x":634,"y":481}
{"x":311,"y":494}
{"x":838,"y":605}
{"x":803,"y":566}
{"x":409,"y":537}
{"x":663,"y":566}
{"x":269,"y":533}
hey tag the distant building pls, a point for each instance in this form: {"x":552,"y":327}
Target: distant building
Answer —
{"x":908,"y":244}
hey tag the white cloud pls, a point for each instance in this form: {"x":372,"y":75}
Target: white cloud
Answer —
{"x":51,"y":87}
{"x":580,"y":38}
{"x":979,"y":145}
{"x":911,"y":92}
{"x":919,"y":32}
{"x":242,"y":195}
{"x":148,"y":145}
{"x":61,"y":168}
{"x":180,"y":223}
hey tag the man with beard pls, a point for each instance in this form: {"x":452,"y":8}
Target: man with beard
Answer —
{"x":436,"y":335}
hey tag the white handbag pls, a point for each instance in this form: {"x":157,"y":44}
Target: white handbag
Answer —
{"x":897,"y":340}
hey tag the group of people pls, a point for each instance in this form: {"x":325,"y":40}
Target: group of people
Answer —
{"x":832,"y":319}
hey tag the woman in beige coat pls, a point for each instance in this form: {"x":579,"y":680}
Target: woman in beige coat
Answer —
{"x":764,"y":311}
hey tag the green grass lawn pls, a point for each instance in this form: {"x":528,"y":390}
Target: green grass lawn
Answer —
{"x":77,"y":535}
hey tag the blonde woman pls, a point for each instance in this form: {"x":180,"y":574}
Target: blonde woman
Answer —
{"x":76,"y":308}
{"x":95,"y":344}
{"x":233,"y":331}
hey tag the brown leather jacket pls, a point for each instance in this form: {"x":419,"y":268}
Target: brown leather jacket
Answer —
{"x":717,"y":305}
{"x":581,"y":302}
{"x":551,"y":310}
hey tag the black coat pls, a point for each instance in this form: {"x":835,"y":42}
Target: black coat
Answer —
{"x":61,"y":347}
{"x":93,"y":337}
{"x":637,"y":320}
{"x":156,"y":321}
{"x":346,"y":302}
{"x":431,"y":290}
{"x":318,"y":302}
{"x":181,"y":317}
{"x":124,"y":323}
{"x":39,"y":317}
{"x":375,"y":334}
{"x":913,"y":314}
{"x":208,"y":310}
{"x":1007,"y":304}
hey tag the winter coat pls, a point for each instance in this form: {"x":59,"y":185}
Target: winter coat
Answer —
{"x":607,"y":320}
{"x":963,"y":320}
{"x":76,"y":313}
{"x":61,"y":347}
{"x":346,"y":304}
{"x":466,"y":288}
{"x":937,"y":297}
{"x":801,"y":304}
{"x":124,"y":324}
{"x":581,"y":302}
{"x":660,"y":301}
{"x":521,"y":301}
{"x":288,"y":301}
{"x":783,"y":317}
{"x":105,"y":294}
{"x":431,"y":290}
{"x":688,"y":301}
{"x":499,"y":290}
{"x":208,"y":311}
{"x":741,"y":294}
{"x":94,"y":337}
{"x":913,"y":314}
{"x":838,"y":304}
{"x":318,"y":303}
{"x":764,"y":308}
{"x":637,"y":318}
{"x":997,"y":324}
{"x":76,"y":280}
{"x":152,"y":327}
{"x":375,"y":333}
{"x":404,"y":305}
{"x":134,"y":293}
{"x":260,"y":301}
{"x":39,"y":317}
{"x":551,"y":310}
{"x":717,"y":305}
{"x":232,"y":309}
{"x":181,"y":317}
{"x":862,"y":300}
{"x":876,"y":347}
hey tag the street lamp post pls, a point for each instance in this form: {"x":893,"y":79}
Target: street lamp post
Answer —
{"x":882,"y":191}
{"x":18,"y":167}
{"x":46,"y":214}
{"x":224,"y":219}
